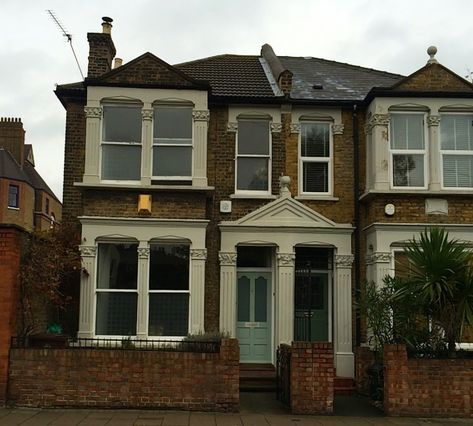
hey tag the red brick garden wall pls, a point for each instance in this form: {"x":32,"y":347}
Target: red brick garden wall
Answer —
{"x":426,"y":387}
{"x":10,"y":253}
{"x":312,"y":378}
{"x":125,"y":378}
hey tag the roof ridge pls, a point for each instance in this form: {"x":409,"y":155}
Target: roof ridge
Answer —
{"x":222,"y":55}
{"x":346,"y":64}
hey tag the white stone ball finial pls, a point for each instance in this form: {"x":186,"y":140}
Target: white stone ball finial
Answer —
{"x":431,"y":51}
{"x":284,"y":182}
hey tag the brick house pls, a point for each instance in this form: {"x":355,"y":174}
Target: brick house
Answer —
{"x":253,"y":194}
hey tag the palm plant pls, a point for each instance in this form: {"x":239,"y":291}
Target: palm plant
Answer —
{"x":441,"y":278}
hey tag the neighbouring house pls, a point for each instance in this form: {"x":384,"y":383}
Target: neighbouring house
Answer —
{"x":26,"y":204}
{"x":255,"y":194}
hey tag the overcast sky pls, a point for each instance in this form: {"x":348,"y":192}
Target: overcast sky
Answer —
{"x":34,"y":56}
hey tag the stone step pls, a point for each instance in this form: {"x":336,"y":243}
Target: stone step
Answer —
{"x":344,"y":386}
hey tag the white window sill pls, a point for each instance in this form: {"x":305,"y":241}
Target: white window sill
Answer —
{"x":13,"y":208}
{"x":442,"y":192}
{"x":139,"y":186}
{"x":317,"y":198}
{"x":254,"y":196}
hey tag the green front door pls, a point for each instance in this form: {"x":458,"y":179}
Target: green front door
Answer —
{"x":254,"y":316}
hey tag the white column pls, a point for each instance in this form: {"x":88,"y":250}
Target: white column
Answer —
{"x":228,"y":292}
{"x":197,"y":290}
{"x":380,"y":266}
{"x":87,"y":291}
{"x":146,"y":144}
{"x":142,"y":309}
{"x":285,"y":298}
{"x":433,"y":122}
{"x":378,"y":127}
{"x":344,"y":357}
{"x":92,"y":144}
{"x":199,"y":176}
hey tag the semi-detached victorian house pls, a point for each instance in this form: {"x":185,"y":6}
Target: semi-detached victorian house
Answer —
{"x":253,"y":194}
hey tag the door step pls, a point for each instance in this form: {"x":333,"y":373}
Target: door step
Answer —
{"x":257,"y":377}
{"x":344,"y":386}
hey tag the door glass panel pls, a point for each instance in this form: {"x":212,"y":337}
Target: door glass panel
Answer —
{"x":261,"y":306}
{"x":243,"y":299}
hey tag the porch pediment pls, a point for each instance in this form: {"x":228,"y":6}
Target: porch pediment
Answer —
{"x":284,"y":212}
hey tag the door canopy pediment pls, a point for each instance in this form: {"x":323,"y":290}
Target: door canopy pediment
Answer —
{"x":285,"y":212}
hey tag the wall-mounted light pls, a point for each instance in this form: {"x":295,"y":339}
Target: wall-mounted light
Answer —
{"x":144,"y":204}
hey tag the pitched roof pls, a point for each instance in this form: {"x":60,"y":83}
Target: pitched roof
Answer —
{"x":231,"y":75}
{"x":338,"y":81}
{"x":9,"y":167}
{"x":36,"y":180}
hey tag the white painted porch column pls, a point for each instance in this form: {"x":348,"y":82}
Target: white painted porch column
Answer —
{"x":433,"y":122}
{"x":197,"y":290}
{"x":142,"y":308}
{"x":87,"y":287}
{"x":92,"y":144}
{"x":228,"y":292}
{"x":380,"y":266}
{"x":201,"y":118}
{"x":146,"y":144}
{"x":285,"y":298}
{"x":344,"y":357}
{"x":378,"y":126}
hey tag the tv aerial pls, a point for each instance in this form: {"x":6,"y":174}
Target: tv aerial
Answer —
{"x":65,"y":34}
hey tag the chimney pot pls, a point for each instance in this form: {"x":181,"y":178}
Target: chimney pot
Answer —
{"x":118,"y":62}
{"x":107,"y":25}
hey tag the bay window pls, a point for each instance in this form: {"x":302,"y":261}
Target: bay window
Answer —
{"x":253,"y":152}
{"x":408,"y":150}
{"x":456,"y":148}
{"x":121,"y":143}
{"x":172,"y":142}
{"x":315,"y":158}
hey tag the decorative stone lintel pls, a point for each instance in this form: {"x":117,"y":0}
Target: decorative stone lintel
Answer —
{"x":143,"y":252}
{"x":286,"y":259}
{"x":93,"y":112}
{"x":198,"y":254}
{"x":337,"y":129}
{"x":232,"y":127}
{"x":201,"y":115}
{"x":276,"y":127}
{"x":295,"y":128}
{"x":377,"y":120}
{"x":344,"y":260}
{"x":227,"y":258}
{"x":147,"y":114}
{"x":88,"y":251}
{"x":433,"y":120}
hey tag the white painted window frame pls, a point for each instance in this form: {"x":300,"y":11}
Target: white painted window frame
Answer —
{"x":111,"y":143}
{"x":328,"y":160}
{"x":424,"y":152}
{"x":459,"y":153}
{"x":157,"y":144}
{"x":268,"y":157}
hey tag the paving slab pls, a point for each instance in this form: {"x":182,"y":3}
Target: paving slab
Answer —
{"x":202,"y":419}
{"x":17,"y":416}
{"x":228,"y":420}
{"x":176,"y":418}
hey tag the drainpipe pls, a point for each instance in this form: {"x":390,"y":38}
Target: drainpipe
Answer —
{"x":356,"y":201}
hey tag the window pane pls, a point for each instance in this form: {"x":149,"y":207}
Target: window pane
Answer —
{"x":456,"y":132}
{"x":172,"y":161}
{"x":168,"y":314}
{"x":458,"y":171}
{"x":315,"y":140}
{"x":172,"y":123}
{"x":408,"y":170}
{"x":252,"y":174}
{"x":116,"y":314}
{"x":169,"y":267}
{"x":261,"y":299}
{"x":315,"y":177}
{"x":253,"y":137}
{"x":117,"y":266}
{"x":121,"y":162}
{"x":407,"y":131}
{"x":243,"y":298}
{"x":122,"y":124}
{"x":254,"y":257}
{"x":13,"y":192}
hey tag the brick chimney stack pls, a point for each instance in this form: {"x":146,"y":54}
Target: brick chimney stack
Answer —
{"x":12,"y":137}
{"x":101,"y":50}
